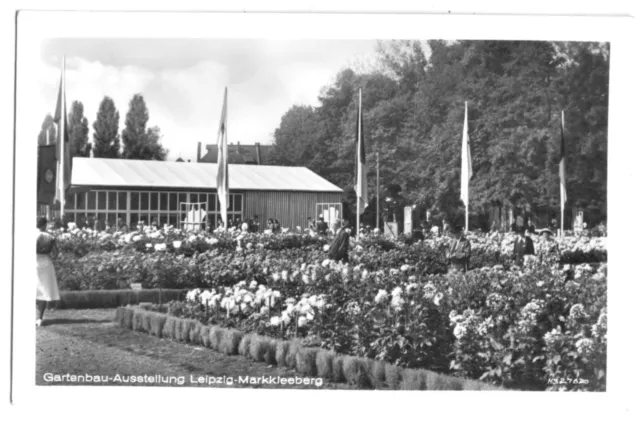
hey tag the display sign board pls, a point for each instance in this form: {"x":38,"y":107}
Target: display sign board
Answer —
{"x":391,"y":229}
{"x":408,"y":220}
{"x":136,"y":286}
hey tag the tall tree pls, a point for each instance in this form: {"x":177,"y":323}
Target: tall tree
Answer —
{"x":138,"y":141}
{"x":135,"y":128}
{"x":79,"y":130}
{"x":152,"y":149}
{"x":106,"y":140}
{"x":293,"y":140}
{"x":47,"y":125}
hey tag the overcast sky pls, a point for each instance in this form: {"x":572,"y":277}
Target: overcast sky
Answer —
{"x":183,"y":81}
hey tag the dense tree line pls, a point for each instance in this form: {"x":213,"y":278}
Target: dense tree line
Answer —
{"x":414,"y":110}
{"x":138,"y":141}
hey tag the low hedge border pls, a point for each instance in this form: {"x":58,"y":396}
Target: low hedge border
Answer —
{"x":309,"y":361}
{"x":98,"y":299}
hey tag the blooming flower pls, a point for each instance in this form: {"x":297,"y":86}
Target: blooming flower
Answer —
{"x":274,"y":321}
{"x":584,"y":346}
{"x":437,"y":298}
{"x":577,"y":311}
{"x":459,"y":331}
{"x":381,"y":296}
{"x":192,"y":295}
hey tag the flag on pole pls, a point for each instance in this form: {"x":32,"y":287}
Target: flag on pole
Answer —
{"x":361,"y":161}
{"x":222,"y":180}
{"x":561,"y":166}
{"x":466,"y":171}
{"x":63,"y":147}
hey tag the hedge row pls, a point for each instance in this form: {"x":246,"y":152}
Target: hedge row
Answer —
{"x":96,"y":299}
{"x":312,"y":362}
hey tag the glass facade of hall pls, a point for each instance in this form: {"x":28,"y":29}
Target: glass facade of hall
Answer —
{"x":132,"y":206}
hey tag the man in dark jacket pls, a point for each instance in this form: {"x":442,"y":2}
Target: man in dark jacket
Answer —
{"x":522,"y":245}
{"x":322,"y":227}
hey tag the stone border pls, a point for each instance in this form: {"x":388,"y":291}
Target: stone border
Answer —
{"x":98,"y":299}
{"x":309,"y":361}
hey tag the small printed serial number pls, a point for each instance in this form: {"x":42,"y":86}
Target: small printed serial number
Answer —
{"x":567,"y":381}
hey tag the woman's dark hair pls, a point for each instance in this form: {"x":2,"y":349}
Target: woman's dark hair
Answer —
{"x":42,"y":222}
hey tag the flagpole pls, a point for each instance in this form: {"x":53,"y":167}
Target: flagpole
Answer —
{"x":62,"y":146}
{"x":47,"y":207}
{"x":358,"y":177}
{"x":562,"y":200}
{"x":378,"y":190}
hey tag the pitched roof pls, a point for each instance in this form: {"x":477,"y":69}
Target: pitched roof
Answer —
{"x":149,"y":173}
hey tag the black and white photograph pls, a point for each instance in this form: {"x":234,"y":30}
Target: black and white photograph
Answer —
{"x":230,"y":212}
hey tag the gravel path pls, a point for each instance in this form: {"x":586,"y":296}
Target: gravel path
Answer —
{"x":76,"y":343}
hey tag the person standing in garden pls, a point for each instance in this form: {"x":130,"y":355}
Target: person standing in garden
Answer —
{"x":459,"y":252}
{"x":322,"y":226}
{"x":339,"y":249}
{"x":46,"y":283}
{"x":522,"y":245}
{"x":548,"y":248}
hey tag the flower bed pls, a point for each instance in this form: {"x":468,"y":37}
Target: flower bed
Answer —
{"x":519,"y":328}
{"x":200,"y":261}
{"x":487,"y":250}
{"x":294,"y":354}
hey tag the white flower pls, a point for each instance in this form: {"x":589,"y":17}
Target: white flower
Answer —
{"x":275,"y":276}
{"x":397,"y":292}
{"x":393,"y":271}
{"x":205,"y":297}
{"x":276,"y":294}
{"x":148,"y":245}
{"x":302,"y":321}
{"x":253,"y":285}
{"x":437,"y":298}
{"x":326,"y":262}
{"x":459,"y":331}
{"x":584,"y":346}
{"x":274,"y":321}
{"x":381,"y":296}
{"x":192,"y":295}
{"x":285,"y":275}
{"x":540,"y":283}
{"x":160,"y":247}
{"x":325,"y":248}
{"x":305,"y":279}
{"x":239,"y":249}
{"x":177,"y":244}
{"x":405,"y":268}
{"x":577,"y":311}
{"x":285,"y":318}
{"x":397,"y":302}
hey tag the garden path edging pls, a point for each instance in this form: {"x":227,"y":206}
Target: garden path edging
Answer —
{"x":309,"y":361}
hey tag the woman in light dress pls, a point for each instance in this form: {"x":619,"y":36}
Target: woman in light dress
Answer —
{"x":46,"y":284}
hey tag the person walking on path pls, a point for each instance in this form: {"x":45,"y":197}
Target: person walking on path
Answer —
{"x":459,"y":251}
{"x":46,"y":283}
{"x":339,"y":249}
